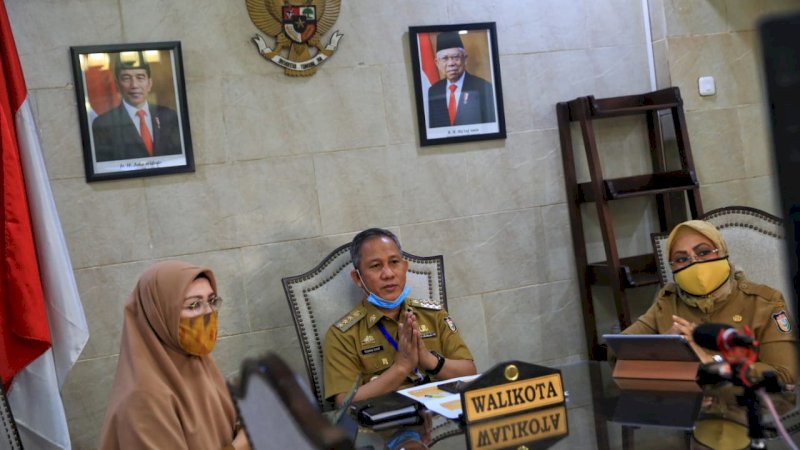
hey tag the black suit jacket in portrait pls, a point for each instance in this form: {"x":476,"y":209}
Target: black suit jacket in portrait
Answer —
{"x":475,"y":104}
{"x":115,"y":135}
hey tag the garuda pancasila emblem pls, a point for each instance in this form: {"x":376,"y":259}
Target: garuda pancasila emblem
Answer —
{"x":297,"y":26}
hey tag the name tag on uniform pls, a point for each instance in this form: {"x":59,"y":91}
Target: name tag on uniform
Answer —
{"x":429,"y":334}
{"x":370,"y":350}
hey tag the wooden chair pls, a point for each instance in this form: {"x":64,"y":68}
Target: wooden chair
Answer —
{"x":756,"y":244}
{"x":277,"y":412}
{"x":324,"y":294}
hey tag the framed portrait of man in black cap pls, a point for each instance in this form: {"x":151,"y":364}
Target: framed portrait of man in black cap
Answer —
{"x":132,"y":110}
{"x":457,"y":83}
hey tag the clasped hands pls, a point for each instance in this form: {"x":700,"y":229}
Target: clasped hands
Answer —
{"x":411,"y":350}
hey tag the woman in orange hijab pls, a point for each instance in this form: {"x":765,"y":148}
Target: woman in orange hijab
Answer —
{"x":168,"y":393}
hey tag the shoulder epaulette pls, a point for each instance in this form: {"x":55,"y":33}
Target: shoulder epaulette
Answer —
{"x":761,"y":290}
{"x":350,"y":319}
{"x":426,"y":304}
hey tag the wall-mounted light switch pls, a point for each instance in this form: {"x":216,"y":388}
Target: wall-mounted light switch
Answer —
{"x":706,"y":86}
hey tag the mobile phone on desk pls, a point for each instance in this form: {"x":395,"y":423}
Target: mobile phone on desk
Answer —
{"x":454,"y":387}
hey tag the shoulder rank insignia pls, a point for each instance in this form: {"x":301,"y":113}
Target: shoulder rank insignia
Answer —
{"x":346,"y":322}
{"x":452,"y":325}
{"x":426,"y":304}
{"x":782,"y":321}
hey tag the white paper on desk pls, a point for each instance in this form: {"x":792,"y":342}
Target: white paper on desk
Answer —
{"x":441,"y":402}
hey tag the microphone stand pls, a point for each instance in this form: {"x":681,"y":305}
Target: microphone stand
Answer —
{"x":749,"y":399}
{"x":739,"y":360}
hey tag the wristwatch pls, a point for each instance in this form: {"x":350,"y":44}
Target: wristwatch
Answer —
{"x":439,"y":363}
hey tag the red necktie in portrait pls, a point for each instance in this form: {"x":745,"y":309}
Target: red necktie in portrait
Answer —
{"x":451,"y":107}
{"x":145,"y":132}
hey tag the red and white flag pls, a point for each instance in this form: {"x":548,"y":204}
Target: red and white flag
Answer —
{"x":427,"y":59}
{"x":42,"y":325}
{"x":427,"y":65}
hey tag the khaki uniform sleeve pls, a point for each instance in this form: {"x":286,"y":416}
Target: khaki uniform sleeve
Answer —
{"x":778,"y":348}
{"x":453,"y":346}
{"x":647,"y":323}
{"x":340,"y":363}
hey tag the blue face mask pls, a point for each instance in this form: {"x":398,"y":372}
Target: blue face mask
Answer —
{"x":385,"y":304}
{"x":381,"y":303}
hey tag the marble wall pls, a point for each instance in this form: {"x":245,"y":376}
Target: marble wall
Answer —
{"x":730,"y":130}
{"x":290,"y":168}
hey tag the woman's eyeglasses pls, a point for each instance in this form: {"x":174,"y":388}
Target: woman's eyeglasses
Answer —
{"x":701,"y":253}
{"x":198,"y":304}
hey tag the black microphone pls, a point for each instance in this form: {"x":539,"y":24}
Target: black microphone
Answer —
{"x":720,"y":337}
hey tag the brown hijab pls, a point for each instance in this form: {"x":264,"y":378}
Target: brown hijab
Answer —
{"x":164,"y":398}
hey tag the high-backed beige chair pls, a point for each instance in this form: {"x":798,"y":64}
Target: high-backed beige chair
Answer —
{"x":324,"y":294}
{"x":756,"y":244}
{"x":277,"y":411}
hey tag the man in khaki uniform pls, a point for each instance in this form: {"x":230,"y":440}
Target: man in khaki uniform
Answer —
{"x":391,"y":340}
{"x":708,"y":290}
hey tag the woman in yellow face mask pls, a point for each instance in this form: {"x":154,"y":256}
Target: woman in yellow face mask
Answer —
{"x":167,"y":392}
{"x":707,"y":289}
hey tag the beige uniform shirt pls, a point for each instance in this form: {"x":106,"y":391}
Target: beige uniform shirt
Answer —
{"x":755,"y":305}
{"x":355,"y":345}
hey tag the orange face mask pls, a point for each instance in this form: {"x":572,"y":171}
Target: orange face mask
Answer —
{"x":198,"y":335}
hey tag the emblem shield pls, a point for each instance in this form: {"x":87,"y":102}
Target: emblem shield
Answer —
{"x":298,"y":30}
{"x":299,"y":22}
{"x":782,"y":321}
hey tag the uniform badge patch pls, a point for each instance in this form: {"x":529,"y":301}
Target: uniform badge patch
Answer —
{"x":450,"y":323}
{"x":782,"y":321}
{"x":423,"y":328}
{"x":367,"y":351}
{"x":368,"y":339}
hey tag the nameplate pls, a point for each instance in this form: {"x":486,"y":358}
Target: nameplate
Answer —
{"x":509,"y":388}
{"x":519,"y":429}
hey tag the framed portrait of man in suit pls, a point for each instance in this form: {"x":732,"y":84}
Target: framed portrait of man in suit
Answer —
{"x":132,"y":110}
{"x":457,"y":83}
